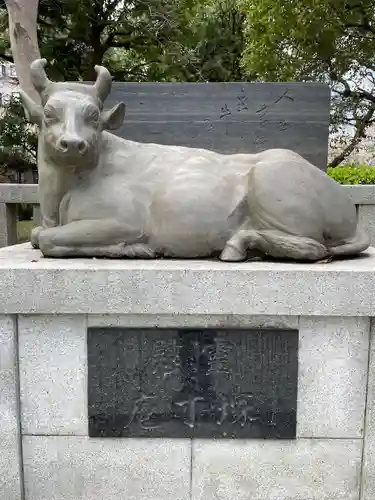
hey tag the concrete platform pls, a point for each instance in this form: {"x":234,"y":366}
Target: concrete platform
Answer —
{"x":33,"y":284}
{"x":46,"y":306}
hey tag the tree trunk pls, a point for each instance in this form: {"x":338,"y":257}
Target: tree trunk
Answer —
{"x":23,"y":40}
{"x":359,"y":134}
{"x":89,"y":75}
{"x":99,"y":49}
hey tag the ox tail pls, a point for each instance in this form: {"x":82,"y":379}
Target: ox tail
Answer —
{"x":352,"y":247}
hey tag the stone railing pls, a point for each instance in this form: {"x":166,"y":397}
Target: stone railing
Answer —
{"x":10,"y":196}
{"x":13,"y":194}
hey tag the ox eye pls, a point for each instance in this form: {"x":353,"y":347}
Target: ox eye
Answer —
{"x":93,"y":117}
{"x":49,"y":116}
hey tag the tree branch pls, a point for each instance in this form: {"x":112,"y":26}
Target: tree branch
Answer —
{"x":30,"y":150}
{"x":45,"y":23}
{"x":364,"y":27}
{"x":120,"y":33}
{"x":109,"y":10}
{"x":348,"y":91}
{"x":359,"y":134}
{"x":121,"y":45}
{"x":359,"y":93}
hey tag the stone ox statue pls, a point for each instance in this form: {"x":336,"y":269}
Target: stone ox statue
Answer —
{"x":104,"y":196}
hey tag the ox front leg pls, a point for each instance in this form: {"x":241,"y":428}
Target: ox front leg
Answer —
{"x":34,"y":237}
{"x":94,"y":238}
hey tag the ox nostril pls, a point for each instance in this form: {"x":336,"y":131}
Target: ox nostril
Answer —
{"x":82,"y":147}
{"x":73,"y":145}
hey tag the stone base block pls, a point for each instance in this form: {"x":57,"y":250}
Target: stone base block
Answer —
{"x":49,"y":304}
{"x":307,"y":469}
{"x":72,"y":468}
{"x":10,"y":454}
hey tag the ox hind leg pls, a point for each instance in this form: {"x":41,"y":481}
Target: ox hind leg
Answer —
{"x":93,"y":238}
{"x":273,"y":243}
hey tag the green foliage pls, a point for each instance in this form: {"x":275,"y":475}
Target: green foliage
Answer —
{"x":24,"y":228}
{"x":18,"y":139}
{"x":144,"y":40}
{"x":353,"y":174}
{"x":309,"y":39}
{"x":75,"y":36}
{"x":331,"y":41}
{"x":213,"y":49}
{"x":4,"y":38}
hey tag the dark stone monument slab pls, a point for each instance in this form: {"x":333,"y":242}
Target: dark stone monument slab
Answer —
{"x":206,"y":383}
{"x":228,"y":117}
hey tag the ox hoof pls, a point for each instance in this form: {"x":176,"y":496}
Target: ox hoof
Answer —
{"x":232,"y":254}
{"x":139,"y":251}
{"x":34,"y":237}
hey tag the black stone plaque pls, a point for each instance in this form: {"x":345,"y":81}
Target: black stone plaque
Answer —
{"x":206,"y":383}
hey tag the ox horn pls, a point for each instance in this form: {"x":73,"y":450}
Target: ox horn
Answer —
{"x":103,"y":82}
{"x":38,"y":75}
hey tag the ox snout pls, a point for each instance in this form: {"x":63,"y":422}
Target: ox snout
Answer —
{"x":72,"y":145}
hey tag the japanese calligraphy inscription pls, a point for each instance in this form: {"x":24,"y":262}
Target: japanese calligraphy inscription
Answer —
{"x":214,"y":383}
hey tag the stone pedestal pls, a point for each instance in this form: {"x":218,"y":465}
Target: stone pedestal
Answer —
{"x":46,"y":307}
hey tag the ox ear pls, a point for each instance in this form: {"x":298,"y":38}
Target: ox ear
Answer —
{"x":113,"y":118}
{"x":33,"y":111}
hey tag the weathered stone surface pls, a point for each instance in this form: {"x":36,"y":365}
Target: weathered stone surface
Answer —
{"x":361,"y":194}
{"x":70,"y":468}
{"x":19,"y":193}
{"x":228,"y":117}
{"x":366,"y":217}
{"x":211,"y":383}
{"x":106,"y":196}
{"x":368,"y":470}
{"x":192,"y":321}
{"x":284,"y":470}
{"x":333,"y":362}
{"x":8,"y":234}
{"x":10,"y":450}
{"x":168,"y":287}
{"x":53,"y":365}
{"x":332,"y":373}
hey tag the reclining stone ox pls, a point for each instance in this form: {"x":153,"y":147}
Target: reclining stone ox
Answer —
{"x":105,"y":196}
